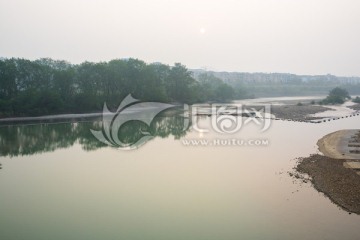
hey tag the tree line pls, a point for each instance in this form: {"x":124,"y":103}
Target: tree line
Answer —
{"x":46,"y":86}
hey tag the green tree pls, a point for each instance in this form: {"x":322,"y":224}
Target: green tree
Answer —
{"x":180,"y":83}
{"x":337,"y":96}
{"x":47,"y":86}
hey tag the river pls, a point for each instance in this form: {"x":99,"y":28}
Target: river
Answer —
{"x":59,"y":182}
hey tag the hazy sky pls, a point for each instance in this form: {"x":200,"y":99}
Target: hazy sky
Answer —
{"x":297,"y":36}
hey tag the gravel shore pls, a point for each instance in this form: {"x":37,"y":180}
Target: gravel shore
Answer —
{"x":297,"y":113}
{"x":341,"y":185}
{"x":328,"y":174}
{"x":355,"y":107}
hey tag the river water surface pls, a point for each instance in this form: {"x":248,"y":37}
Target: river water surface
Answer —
{"x":58,"y":182}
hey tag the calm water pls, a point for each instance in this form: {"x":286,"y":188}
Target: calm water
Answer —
{"x":58,"y":182}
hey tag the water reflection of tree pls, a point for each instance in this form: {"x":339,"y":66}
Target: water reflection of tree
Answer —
{"x":18,"y":140}
{"x":162,"y":127}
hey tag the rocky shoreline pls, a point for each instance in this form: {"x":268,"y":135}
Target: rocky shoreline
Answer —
{"x":336,"y":174}
{"x":341,"y":185}
{"x":298,"y":113}
{"x":355,"y":107}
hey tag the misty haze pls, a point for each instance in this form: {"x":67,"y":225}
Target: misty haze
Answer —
{"x":169,"y":119}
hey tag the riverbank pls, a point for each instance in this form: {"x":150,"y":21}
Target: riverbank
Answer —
{"x":340,"y":144}
{"x":289,"y":112}
{"x":79,"y":117}
{"x":333,"y":173}
{"x":298,"y":112}
{"x":341,"y":185}
{"x":355,"y":107}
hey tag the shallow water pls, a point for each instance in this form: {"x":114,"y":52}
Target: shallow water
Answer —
{"x":337,"y":111}
{"x":58,"y":182}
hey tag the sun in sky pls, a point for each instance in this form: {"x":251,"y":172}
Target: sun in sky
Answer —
{"x":202,"y":30}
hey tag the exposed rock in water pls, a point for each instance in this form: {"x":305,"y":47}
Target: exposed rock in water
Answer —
{"x":297,"y":113}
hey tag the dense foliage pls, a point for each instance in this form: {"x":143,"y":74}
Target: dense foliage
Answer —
{"x":356,"y":100}
{"x":336,"y":96}
{"x":46,"y":86}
